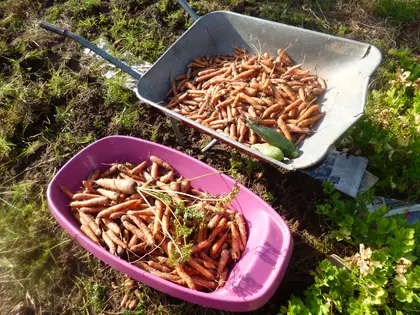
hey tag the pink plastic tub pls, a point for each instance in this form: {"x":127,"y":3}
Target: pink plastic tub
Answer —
{"x":252,"y":280}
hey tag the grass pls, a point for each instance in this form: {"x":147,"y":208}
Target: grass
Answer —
{"x":54,"y":101}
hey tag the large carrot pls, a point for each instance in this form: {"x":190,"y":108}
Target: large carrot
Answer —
{"x":117,"y":208}
{"x":125,"y":186}
{"x":115,"y":239}
{"x":308,"y":113}
{"x":215,"y":250}
{"x":195,"y":265}
{"x":284,"y":129}
{"x":158,"y":273}
{"x":158,"y":266}
{"x":112,"y":226}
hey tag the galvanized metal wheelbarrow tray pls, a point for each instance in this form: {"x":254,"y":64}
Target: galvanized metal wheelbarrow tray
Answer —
{"x":345,"y":64}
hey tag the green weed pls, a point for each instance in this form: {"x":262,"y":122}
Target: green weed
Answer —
{"x":115,"y":92}
{"x":5,"y":147}
{"x":398,"y":10}
{"x":53,"y":14}
{"x":127,"y":118}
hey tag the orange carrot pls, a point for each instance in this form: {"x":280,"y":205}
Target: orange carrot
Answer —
{"x":167,"y":178}
{"x":239,"y":219}
{"x":181,"y":272}
{"x":88,"y":220}
{"x":116,"y":215}
{"x":91,"y":209}
{"x":204,"y":283}
{"x":158,"y":266}
{"x":67,"y":192}
{"x":176,"y":199}
{"x":84,"y":196}
{"x":112,"y":226}
{"x":133,"y":241}
{"x":220,"y":227}
{"x":272,"y":109}
{"x":109,"y":194}
{"x":165,"y":220}
{"x":139,"y":248}
{"x":283,"y":128}
{"x":243,"y":75}
{"x":154,"y":171}
{"x":215,"y":250}
{"x":117,"y":208}
{"x":158,"y":216}
{"x":222,"y":278}
{"x":148,"y":236}
{"x":160,"y":274}
{"x":297,"y":129}
{"x":89,"y":233}
{"x":310,"y":121}
{"x":195,"y":265}
{"x":204,"y":256}
{"x":293,"y":105}
{"x":308,"y":113}
{"x":115,"y":239}
{"x":235,"y":251}
{"x":125,"y":186}
{"x":89,"y":187}
{"x":224,"y":257}
{"x":204,"y":244}
{"x":144,"y":212}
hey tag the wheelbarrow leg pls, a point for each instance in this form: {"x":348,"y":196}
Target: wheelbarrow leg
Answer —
{"x":175,"y":127}
{"x":210,"y":145}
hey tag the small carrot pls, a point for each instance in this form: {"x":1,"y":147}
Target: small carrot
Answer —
{"x":195,"y":265}
{"x":204,"y":244}
{"x":86,"y":219}
{"x":154,"y":171}
{"x":176,"y":199}
{"x":89,"y":187}
{"x":222,"y":278}
{"x":137,"y":170}
{"x":124,"y":301}
{"x":235,"y":251}
{"x":67,"y":192}
{"x":165,"y":220}
{"x":109,"y":194}
{"x":204,"y":283}
{"x":204,"y":256}
{"x":89,"y":233}
{"x":146,"y":212}
{"x":148,"y":236}
{"x":115,"y":239}
{"x":181,"y":272}
{"x":185,"y":185}
{"x":112,"y":226}
{"x":167,"y":178}
{"x":297,"y":129}
{"x":158,"y":216}
{"x":158,"y":273}
{"x":310,"y":121}
{"x":84,"y":196}
{"x":139,"y":248}
{"x":219,"y":228}
{"x":239,"y":219}
{"x":216,"y":219}
{"x":125,"y":186}
{"x":224,"y":258}
{"x":215,"y":250}
{"x":158,"y":266}
{"x":132,"y":304}
{"x":117,"y":208}
{"x":91,"y":209}
{"x":272,"y":109}
{"x":133,"y":241}
{"x":308,"y":113}
{"x":293,"y":105}
{"x":116,"y":215}
{"x":283,"y":127}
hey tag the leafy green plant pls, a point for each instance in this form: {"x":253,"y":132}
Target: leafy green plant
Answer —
{"x":388,"y":135}
{"x":381,"y":278}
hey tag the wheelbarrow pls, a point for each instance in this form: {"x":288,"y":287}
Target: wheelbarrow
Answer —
{"x":345,"y":64}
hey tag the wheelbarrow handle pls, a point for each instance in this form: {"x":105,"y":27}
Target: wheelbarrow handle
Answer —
{"x":187,"y":8}
{"x":84,"y":42}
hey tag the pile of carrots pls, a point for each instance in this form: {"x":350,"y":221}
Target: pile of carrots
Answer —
{"x":223,"y":91}
{"x":150,"y":216}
